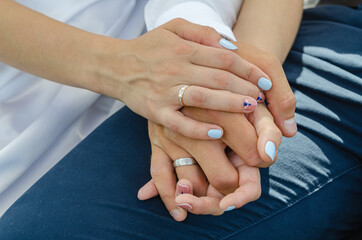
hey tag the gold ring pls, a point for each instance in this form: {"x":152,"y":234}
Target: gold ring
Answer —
{"x":181,"y":94}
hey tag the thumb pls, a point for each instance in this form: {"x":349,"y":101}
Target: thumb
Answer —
{"x":148,"y":191}
{"x":200,"y":34}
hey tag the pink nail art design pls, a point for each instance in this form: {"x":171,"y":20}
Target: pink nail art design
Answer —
{"x":185,"y":206}
{"x":181,"y":188}
{"x":261,"y":97}
{"x":249,"y":104}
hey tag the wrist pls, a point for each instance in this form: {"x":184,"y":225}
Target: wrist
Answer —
{"x":106,"y":68}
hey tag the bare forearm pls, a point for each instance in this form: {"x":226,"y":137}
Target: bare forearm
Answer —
{"x":270,"y":25}
{"x":45,"y":47}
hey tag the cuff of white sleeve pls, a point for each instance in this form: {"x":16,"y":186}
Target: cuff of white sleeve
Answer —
{"x":198,"y":13}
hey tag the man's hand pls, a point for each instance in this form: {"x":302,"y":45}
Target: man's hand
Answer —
{"x":215,"y":170}
{"x":281,"y":100}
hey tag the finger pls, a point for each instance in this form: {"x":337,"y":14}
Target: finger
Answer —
{"x":212,"y":159}
{"x":222,"y":80}
{"x":281,"y":100}
{"x":243,"y":195}
{"x":269,"y":135}
{"x":282,"y":103}
{"x":195,"y":181}
{"x":200,"y":34}
{"x":201,"y":97}
{"x":192,"y":173}
{"x":148,"y":191}
{"x":177,"y":122}
{"x":164,"y":178}
{"x":249,"y":182}
{"x":185,"y":186}
{"x":231,"y":62}
{"x":199,"y":205}
{"x":239,"y":133}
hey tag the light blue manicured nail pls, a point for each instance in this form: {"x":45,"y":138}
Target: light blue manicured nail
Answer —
{"x":214,"y":133}
{"x":264,"y":83}
{"x":229,"y":208}
{"x":227,"y":44}
{"x":270,"y":149}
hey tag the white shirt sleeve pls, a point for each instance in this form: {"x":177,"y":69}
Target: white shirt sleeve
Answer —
{"x":218,"y":14}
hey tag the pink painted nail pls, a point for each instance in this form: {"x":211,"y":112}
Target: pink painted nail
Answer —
{"x":185,"y":206}
{"x":249,"y":104}
{"x":261,"y":97}
{"x":182,"y":188}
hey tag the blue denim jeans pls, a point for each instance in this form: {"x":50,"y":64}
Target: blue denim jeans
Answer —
{"x":314,"y":191}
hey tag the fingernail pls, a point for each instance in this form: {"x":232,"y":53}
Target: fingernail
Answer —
{"x":249,"y":104}
{"x":261,"y":97}
{"x":291,"y":125}
{"x":185,"y":206}
{"x":227,"y":44}
{"x":264,"y":83}
{"x":270,"y":149}
{"x":176,"y":214}
{"x":181,"y":188}
{"x":229,"y":208}
{"x":214,"y":133}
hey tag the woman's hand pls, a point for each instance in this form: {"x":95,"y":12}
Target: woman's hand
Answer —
{"x":147,"y":74}
{"x":213,"y":161}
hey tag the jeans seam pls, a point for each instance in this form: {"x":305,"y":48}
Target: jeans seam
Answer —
{"x":261,"y":219}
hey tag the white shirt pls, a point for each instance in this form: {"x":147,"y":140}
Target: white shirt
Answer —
{"x":41,"y":121}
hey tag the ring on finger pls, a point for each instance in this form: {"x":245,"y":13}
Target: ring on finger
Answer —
{"x":181,"y":94}
{"x":184,"y":162}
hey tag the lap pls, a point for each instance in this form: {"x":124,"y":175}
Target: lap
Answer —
{"x":314,"y":187}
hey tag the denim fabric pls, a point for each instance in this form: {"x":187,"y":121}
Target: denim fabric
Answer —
{"x":314,"y":191}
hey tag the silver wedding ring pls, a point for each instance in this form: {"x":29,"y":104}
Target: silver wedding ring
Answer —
{"x":184,"y":162}
{"x":181,"y":94}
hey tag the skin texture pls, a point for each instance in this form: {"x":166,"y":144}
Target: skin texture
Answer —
{"x":145,"y":73}
{"x":139,"y":72}
{"x":265,"y":38}
{"x":228,"y":181}
{"x":270,"y":26}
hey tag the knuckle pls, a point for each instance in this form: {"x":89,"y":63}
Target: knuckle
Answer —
{"x":183,"y":48}
{"x":288,"y":102}
{"x":166,"y":196}
{"x":196,"y":131}
{"x":156,"y":171}
{"x":253,"y":157}
{"x":207,"y":31}
{"x":221,"y":80}
{"x":251,"y":71}
{"x":177,"y":21}
{"x":227,"y":60}
{"x":225,"y":182}
{"x":172,"y":125}
{"x":231,"y":104}
{"x":198,"y":97}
